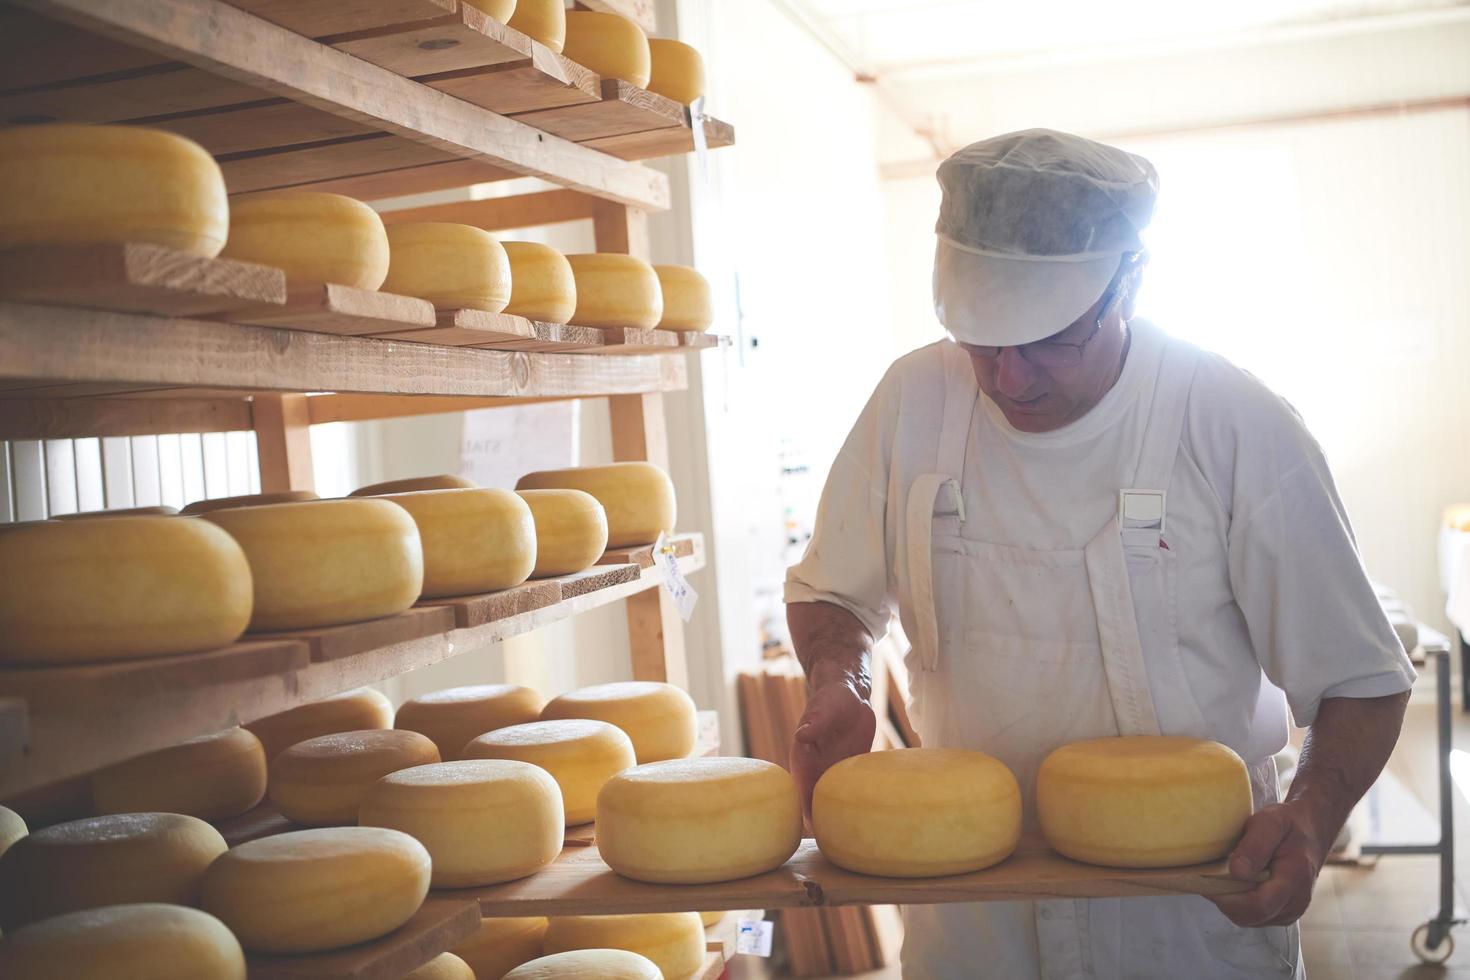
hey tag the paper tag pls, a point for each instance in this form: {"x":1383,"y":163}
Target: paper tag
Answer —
{"x":754,"y":937}
{"x":701,"y":145}
{"x":684,"y":595}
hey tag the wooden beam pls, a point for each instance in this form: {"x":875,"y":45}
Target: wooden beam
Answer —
{"x":318,"y":18}
{"x":411,"y":180}
{"x":357,"y":408}
{"x":620,"y":229}
{"x":501,"y":213}
{"x":283,"y":442}
{"x":78,"y":418}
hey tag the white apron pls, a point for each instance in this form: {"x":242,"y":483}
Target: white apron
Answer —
{"x":1017,"y":651}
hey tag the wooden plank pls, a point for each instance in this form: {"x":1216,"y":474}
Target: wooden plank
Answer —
{"x":318,"y":18}
{"x":330,"y":308}
{"x":464,"y":38}
{"x":441,"y":922}
{"x":90,"y":389}
{"x":350,"y":639}
{"x":546,"y":81}
{"x":261,"y":125}
{"x":551,"y":337}
{"x":468,"y":328}
{"x":263,"y":821}
{"x":478,"y":610}
{"x":641,"y":11}
{"x":283,"y":442}
{"x":625,"y":340}
{"x":159,"y":91}
{"x":37,"y":51}
{"x":356,"y":408}
{"x":713,"y":968}
{"x":15,"y":727}
{"x":73,"y":419}
{"x":598,"y":577}
{"x":667,"y":141}
{"x":699,"y":339}
{"x":410,"y":180}
{"x":312,"y":164}
{"x":641,"y":555}
{"x":503,"y":213}
{"x":623,"y":109}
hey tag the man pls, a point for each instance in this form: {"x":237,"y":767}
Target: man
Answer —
{"x":1088,"y":529}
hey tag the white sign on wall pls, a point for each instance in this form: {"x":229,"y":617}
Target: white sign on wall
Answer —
{"x":500,"y":445}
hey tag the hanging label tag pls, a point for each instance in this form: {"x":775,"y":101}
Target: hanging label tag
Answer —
{"x":696,"y":130}
{"x":754,"y":937}
{"x":673,"y":578}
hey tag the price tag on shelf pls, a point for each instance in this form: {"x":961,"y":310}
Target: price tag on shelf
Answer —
{"x":683,"y":593}
{"x":753,"y":936}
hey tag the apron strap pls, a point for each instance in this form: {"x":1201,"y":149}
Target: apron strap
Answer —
{"x":1165,"y":427}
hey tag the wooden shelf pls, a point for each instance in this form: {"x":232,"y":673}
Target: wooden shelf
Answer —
{"x":440,"y":923}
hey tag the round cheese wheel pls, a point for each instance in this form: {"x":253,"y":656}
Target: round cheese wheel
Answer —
{"x":712,"y":918}
{"x":324,"y":562}
{"x":638,"y":498}
{"x":571,"y":530}
{"x":580,"y":754}
{"x":452,"y":266}
{"x":483,"y":820}
{"x":213,"y":776}
{"x":154,"y":586}
{"x":246,"y":500}
{"x":688,"y":304}
{"x":120,"y":942}
{"x":609,"y":44}
{"x":314,"y":890}
{"x":109,"y":860}
{"x":445,"y":966}
{"x":912,"y":813}
{"x":677,"y":70}
{"x":312,"y":237}
{"x":453,"y":716}
{"x":615,"y":290}
{"x":157,"y":511}
{"x":321,"y":782}
{"x":82,"y":185}
{"x":501,"y":945}
{"x":350,"y":711}
{"x":444,"y":481}
{"x":501,"y":10}
{"x":474,"y":541}
{"x":541,"y":283}
{"x":674,"y":941}
{"x":544,"y":20}
{"x":690,"y":821}
{"x":589,"y":964}
{"x":659,"y":718}
{"x":1143,"y":801}
{"x":12,"y":828}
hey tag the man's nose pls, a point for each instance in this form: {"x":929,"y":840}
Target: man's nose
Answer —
{"x":1014,"y":375}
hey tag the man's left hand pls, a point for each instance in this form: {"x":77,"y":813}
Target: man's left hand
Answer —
{"x":1282,"y":840}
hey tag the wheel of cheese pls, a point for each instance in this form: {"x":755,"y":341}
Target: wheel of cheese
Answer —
{"x":544,"y":20}
{"x":444,"y":481}
{"x":501,"y":945}
{"x":86,"y":515}
{"x":82,"y":185}
{"x":246,"y":500}
{"x":688,"y":304}
{"x":121,"y":942}
{"x":674,"y":941}
{"x":541,"y":283}
{"x":321,"y":782}
{"x":210,"y":777}
{"x":311,"y":237}
{"x":453,"y":716}
{"x":609,"y":44}
{"x":474,"y":541}
{"x":12,"y":828}
{"x":315,"y":890}
{"x":483,"y":820}
{"x":452,"y":266}
{"x":571,"y":530}
{"x":445,"y":966}
{"x":580,"y":754}
{"x":324,"y":562}
{"x":638,"y":498}
{"x":588,"y":964}
{"x":712,"y":918}
{"x":677,"y":70}
{"x":659,"y":718}
{"x":691,"y":821}
{"x":915,"y":813}
{"x":119,"y":589}
{"x":615,"y":290}
{"x":501,"y":10}
{"x":350,"y":711}
{"x":1143,"y":801}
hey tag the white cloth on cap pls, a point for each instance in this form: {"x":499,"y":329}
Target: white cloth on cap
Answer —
{"x":1032,"y":226}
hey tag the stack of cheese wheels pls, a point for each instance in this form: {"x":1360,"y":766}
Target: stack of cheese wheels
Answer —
{"x":501,"y":944}
{"x":313,"y":238}
{"x":588,"y":964}
{"x":455,"y":267}
{"x":674,"y":941}
{"x":119,"y":588}
{"x":211,"y":777}
{"x":12,"y":828}
{"x":479,"y":540}
{"x":453,"y":716}
{"x":677,"y":70}
{"x":543,"y":20}
{"x":580,"y":754}
{"x":110,"y":860}
{"x":160,"y":942}
{"x":443,"y":481}
{"x":445,"y":966}
{"x":246,"y":500}
{"x":638,"y":498}
{"x":541,"y":282}
{"x":84,"y":185}
{"x":609,"y":44}
{"x":159,"y":510}
{"x":615,"y":290}
{"x":691,"y":821}
{"x":1143,"y":801}
{"x":321,"y":782}
{"x":314,"y":890}
{"x":350,"y":711}
{"x":688,"y":304}
{"x":571,"y":530}
{"x":483,"y":820}
{"x":916,"y":813}
{"x":324,"y":562}
{"x":659,"y":718}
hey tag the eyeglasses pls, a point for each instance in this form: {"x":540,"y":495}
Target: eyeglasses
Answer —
{"x":1060,"y":353}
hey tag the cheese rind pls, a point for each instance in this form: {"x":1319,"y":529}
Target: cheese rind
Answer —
{"x":688,"y":303}
{"x":580,"y":754}
{"x":674,"y":941}
{"x":541,"y":283}
{"x":350,"y":711}
{"x":571,"y":530}
{"x":159,"y":510}
{"x":455,"y":715}
{"x":321,"y":782}
{"x":211,"y":777}
{"x":637,"y":497}
{"x":445,"y":966}
{"x":452,"y":266}
{"x":198,"y":507}
{"x":160,"y":942}
{"x":312,"y":237}
{"x":501,"y":10}
{"x":588,"y":964}
{"x":660,"y":718}
{"x":615,"y":290}
{"x":443,"y":481}
{"x":676,"y":70}
{"x":712,"y":918}
{"x":544,"y":20}
{"x":609,"y":44}
{"x":474,"y":541}
{"x":500,"y":945}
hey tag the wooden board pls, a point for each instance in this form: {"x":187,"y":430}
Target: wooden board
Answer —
{"x":318,"y":18}
{"x":36,"y":51}
{"x":596,"y":578}
{"x":314,"y":163}
{"x":550,"y":338}
{"x":441,"y":922}
{"x":626,"y":340}
{"x":468,"y":328}
{"x":642,"y":555}
{"x":713,"y":968}
{"x":479,"y":610}
{"x":665,"y":141}
{"x":623,"y":109}
{"x":57,"y":418}
{"x":546,"y":81}
{"x":463,"y":38}
{"x":160,"y":91}
{"x":261,"y":125}
{"x":337,"y":642}
{"x":263,"y":821}
{"x":329,"y":308}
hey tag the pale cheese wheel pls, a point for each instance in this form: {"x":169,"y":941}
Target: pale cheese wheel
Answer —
{"x":691,"y":821}
{"x":246,"y":500}
{"x":312,"y":237}
{"x":712,"y":918}
{"x":124,"y":942}
{"x":1143,"y":801}
{"x":153,"y":586}
{"x":571,"y":530}
{"x":541,"y":283}
{"x":444,"y":481}
{"x":159,"y":510}
{"x":500,"y":945}
{"x":12,"y":828}
{"x":350,"y":711}
{"x":313,"y":890}
{"x":544,"y":20}
{"x":916,"y":813}
{"x":445,"y":966}
{"x":580,"y":754}
{"x":212,"y":777}
{"x":609,"y":44}
{"x":615,"y":290}
{"x":589,"y":964}
{"x":321,"y":782}
{"x":483,"y":820}
{"x":452,"y":266}
{"x":325,"y":562}
{"x":638,"y":497}
{"x":82,"y":185}
{"x":480,"y":540}
{"x":455,"y":715}
{"x":677,"y":70}
{"x":674,"y":941}
{"x":688,"y":303}
{"x":501,"y":10}
{"x":660,"y":718}
{"x":108,"y":860}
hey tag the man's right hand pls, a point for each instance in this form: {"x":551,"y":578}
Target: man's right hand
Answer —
{"x":838,"y":722}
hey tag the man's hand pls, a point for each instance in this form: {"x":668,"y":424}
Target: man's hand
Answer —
{"x":838,"y":722}
{"x":1282,"y":840}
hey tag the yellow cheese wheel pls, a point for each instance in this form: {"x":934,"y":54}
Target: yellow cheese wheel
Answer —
{"x":350,"y":711}
{"x":483,"y":820}
{"x":321,"y":782}
{"x":589,"y":964}
{"x":688,"y":304}
{"x":677,"y":70}
{"x":124,"y":942}
{"x":119,"y":588}
{"x":580,"y":754}
{"x":638,"y":498}
{"x":314,"y":890}
{"x":12,"y":828}
{"x":155,"y":511}
{"x":501,"y":10}
{"x":501,"y":945}
{"x":80,"y":185}
{"x":674,"y":941}
{"x":452,"y":266}
{"x":453,"y":716}
{"x":109,"y":860}
{"x":912,"y":813}
{"x":615,"y":290}
{"x":541,"y":283}
{"x":444,"y":481}
{"x":445,"y":966}
{"x":689,"y":821}
{"x":246,"y":500}
{"x":1143,"y":801}
{"x":211,"y":777}
{"x":324,"y":562}
{"x":712,"y":918}
{"x":609,"y":44}
{"x":544,"y":20}
{"x":571,"y":530}
{"x":659,"y":718}
{"x":311,"y":237}
{"x":480,"y":540}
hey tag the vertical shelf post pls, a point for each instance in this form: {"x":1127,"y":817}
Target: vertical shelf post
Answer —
{"x":283,"y":442}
